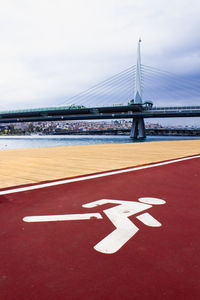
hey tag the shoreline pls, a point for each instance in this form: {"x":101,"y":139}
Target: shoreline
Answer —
{"x":36,"y":141}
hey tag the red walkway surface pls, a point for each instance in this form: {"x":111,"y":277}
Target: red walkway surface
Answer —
{"x":57,"y":260}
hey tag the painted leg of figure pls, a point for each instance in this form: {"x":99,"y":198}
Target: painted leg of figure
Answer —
{"x":148,"y":220}
{"x":125,"y":230}
{"x":119,"y":216}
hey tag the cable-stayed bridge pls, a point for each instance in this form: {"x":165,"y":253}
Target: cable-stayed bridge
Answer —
{"x":138,"y":92}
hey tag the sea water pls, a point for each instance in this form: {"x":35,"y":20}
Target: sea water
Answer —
{"x":14,"y":142}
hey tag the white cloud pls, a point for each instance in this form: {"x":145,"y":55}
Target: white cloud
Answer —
{"x":52,"y":49}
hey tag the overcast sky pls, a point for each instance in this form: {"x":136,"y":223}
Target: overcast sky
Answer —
{"x":53,"y":49}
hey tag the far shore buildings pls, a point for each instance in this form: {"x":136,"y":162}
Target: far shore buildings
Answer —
{"x":51,"y":127}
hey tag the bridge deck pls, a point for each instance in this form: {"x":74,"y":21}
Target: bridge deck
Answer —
{"x":26,"y":166}
{"x":90,"y":113}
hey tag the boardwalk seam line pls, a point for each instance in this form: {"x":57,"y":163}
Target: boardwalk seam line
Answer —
{"x":108,"y":173}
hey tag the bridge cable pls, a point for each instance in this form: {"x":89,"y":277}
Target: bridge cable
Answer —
{"x":104,"y":84}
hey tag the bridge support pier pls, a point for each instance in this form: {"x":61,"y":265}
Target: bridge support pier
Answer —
{"x":138,"y":129}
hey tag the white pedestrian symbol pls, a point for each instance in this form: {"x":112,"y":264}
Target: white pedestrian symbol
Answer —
{"x":118,"y":215}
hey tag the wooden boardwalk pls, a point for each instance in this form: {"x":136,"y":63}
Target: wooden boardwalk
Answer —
{"x":26,"y":166}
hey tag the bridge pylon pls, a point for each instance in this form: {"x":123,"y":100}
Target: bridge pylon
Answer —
{"x":138,"y":126}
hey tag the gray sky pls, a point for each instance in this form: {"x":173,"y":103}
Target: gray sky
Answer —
{"x":53,"y":49}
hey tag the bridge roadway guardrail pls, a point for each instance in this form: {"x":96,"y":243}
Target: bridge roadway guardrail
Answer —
{"x":66,"y":110}
{"x":112,"y":112}
{"x":176,"y":111}
{"x":174,"y":108}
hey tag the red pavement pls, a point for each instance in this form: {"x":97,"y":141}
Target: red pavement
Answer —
{"x":56,"y":260}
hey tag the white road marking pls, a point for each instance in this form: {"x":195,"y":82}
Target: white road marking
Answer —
{"x":71,"y":217}
{"x":54,"y":183}
{"x":119,"y":216}
{"x":148,"y":220}
{"x":150,"y":200}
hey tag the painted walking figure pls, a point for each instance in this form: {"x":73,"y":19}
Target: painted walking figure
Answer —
{"x":118,"y":215}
